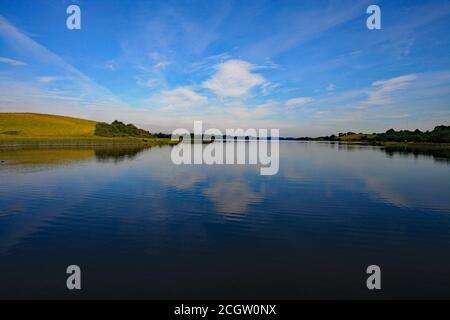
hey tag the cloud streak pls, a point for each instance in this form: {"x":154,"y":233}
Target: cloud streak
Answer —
{"x":296,"y":102}
{"x":82,"y":88}
{"x":12,"y":62}
{"x":385,"y":89}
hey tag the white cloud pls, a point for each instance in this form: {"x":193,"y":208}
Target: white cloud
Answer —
{"x":298,"y":101}
{"x":207,"y":62}
{"x":180,"y":97}
{"x":49,"y":79}
{"x":12,"y":62}
{"x":161,"y":62}
{"x":268,"y":87}
{"x":385,"y":90}
{"x":146,"y":82}
{"x":161,"y":65}
{"x":234,"y":78}
{"x":331,"y":87}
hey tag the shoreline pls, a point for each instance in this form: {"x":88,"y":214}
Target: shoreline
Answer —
{"x":79,"y":141}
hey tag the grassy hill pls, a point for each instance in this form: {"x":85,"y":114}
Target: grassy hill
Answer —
{"x":31,"y":125}
{"x":29,"y":128}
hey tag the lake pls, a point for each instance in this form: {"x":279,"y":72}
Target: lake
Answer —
{"x":141,"y":227}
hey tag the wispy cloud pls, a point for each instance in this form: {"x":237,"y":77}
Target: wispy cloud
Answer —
{"x":295,"y":102}
{"x":207,"y":62}
{"x":81,"y":85}
{"x":291,"y":28}
{"x":49,"y":79}
{"x":160,"y":62}
{"x":400,"y":101}
{"x":146,"y":82}
{"x":12,"y":62}
{"x":385,"y":89}
{"x":23,"y":44}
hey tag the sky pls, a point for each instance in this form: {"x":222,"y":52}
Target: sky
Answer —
{"x":308,"y":68}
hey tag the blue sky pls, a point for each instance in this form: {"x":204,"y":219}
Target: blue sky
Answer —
{"x":305,"y":67}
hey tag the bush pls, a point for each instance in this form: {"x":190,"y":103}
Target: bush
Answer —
{"x":119,"y":129}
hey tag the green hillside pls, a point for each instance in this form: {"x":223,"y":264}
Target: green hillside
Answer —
{"x":31,"y":125}
{"x":30,"y":128}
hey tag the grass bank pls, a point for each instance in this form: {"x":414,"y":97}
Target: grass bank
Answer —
{"x":439,"y":150}
{"x":52,"y":130}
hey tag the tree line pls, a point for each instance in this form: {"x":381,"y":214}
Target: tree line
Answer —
{"x":440,"y":134}
{"x":120,"y":129}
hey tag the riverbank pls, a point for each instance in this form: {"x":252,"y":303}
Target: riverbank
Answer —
{"x":79,"y":142}
{"x":437,"y":150}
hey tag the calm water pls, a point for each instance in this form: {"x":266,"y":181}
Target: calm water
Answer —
{"x":141,"y":227}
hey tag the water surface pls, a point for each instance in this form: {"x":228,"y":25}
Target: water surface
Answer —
{"x":142,"y":227}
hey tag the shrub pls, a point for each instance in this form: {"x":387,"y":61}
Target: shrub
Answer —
{"x":119,"y":129}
